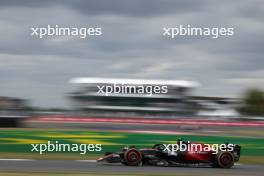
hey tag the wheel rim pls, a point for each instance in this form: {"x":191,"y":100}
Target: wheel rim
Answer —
{"x":133,"y":156}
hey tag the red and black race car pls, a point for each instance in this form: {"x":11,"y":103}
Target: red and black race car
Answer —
{"x":157,"y":156}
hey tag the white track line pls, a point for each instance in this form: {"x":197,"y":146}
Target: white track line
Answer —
{"x":238,"y":164}
{"x":8,"y":159}
{"x":90,"y":161}
{"x":16,"y":159}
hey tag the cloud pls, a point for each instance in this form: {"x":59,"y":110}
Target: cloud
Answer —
{"x":132,"y":45}
{"x":135,"y":8}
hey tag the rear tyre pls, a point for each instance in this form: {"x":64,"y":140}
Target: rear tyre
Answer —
{"x":224,"y":160}
{"x":132,"y":157}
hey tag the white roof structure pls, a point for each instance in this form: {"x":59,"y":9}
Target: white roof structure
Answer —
{"x":94,"y":80}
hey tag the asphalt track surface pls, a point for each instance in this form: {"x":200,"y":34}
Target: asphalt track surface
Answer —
{"x":54,"y":166}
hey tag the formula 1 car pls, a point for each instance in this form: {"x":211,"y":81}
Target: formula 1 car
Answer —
{"x":131,"y":156}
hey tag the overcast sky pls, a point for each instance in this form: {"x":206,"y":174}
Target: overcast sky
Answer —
{"x":132,"y":45}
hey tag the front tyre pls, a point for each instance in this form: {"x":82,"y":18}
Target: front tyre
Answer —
{"x":132,"y":157}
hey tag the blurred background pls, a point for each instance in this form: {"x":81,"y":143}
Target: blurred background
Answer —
{"x":48,"y":92}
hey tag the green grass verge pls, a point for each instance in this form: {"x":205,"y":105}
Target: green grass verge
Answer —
{"x":20,"y":140}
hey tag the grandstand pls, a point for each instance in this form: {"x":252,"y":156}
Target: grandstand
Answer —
{"x":12,"y":111}
{"x":175,"y":101}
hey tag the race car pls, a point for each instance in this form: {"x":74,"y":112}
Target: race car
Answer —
{"x":158,"y":156}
